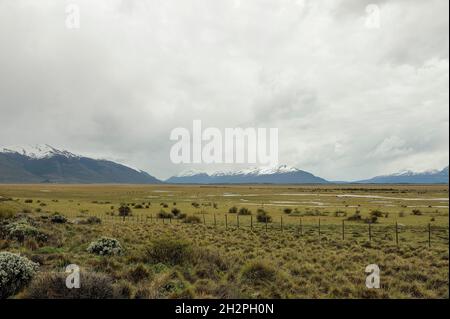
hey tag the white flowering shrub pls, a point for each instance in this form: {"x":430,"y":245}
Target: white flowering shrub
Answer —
{"x":21,"y":230}
{"x":105,"y":246}
{"x":15,"y":273}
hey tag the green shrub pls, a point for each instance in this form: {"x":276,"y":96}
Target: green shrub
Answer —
{"x":28,"y":201}
{"x":105,"y":246}
{"x":376,"y":213}
{"x":355,"y":217}
{"x":244,"y":211}
{"x":176,"y":211}
{"x":21,"y":230}
{"x":233,"y":210}
{"x":15,"y":273}
{"x":262,"y":216}
{"x":124,"y":210}
{"x":287,"y":210}
{"x":169,"y":251}
{"x":416,"y":212}
{"x":164,"y":214}
{"x":58,"y":219}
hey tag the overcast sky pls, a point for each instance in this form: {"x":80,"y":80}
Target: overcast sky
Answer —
{"x":350,"y":100}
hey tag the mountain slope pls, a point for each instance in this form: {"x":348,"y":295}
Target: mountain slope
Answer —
{"x":408,"y":177}
{"x":279,"y":175}
{"x":45,"y":164}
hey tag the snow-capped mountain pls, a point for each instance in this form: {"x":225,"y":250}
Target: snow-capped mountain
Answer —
{"x":36,"y":151}
{"x":46,"y":164}
{"x":268,"y":175}
{"x":410,"y":177}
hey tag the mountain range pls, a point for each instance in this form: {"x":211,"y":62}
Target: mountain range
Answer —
{"x":278,"y":175}
{"x":410,"y":177}
{"x":46,"y":164}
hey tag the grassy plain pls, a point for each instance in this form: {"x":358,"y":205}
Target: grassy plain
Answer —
{"x":227,"y":255}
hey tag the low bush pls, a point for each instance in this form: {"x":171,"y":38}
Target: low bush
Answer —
{"x":176,"y":211}
{"x":287,"y":210}
{"x":164,"y":214}
{"x":262,"y":216}
{"x":233,"y":210}
{"x":192,"y":219}
{"x":244,"y":211}
{"x":21,"y":230}
{"x":15,"y":273}
{"x":416,"y":212}
{"x":355,"y":217}
{"x":105,"y":246}
{"x":376,"y":213}
{"x":58,"y":219}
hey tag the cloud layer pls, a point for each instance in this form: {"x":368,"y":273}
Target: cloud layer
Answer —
{"x":350,"y":101}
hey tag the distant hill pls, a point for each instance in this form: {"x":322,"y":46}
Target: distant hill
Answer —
{"x":279,"y":175}
{"x":46,"y":164}
{"x":409,"y":177}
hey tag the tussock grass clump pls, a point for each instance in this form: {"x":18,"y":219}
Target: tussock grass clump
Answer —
{"x":138,"y":273}
{"x":15,"y":273}
{"x":53,"y":286}
{"x":105,"y":246}
{"x":258,"y":272}
{"x":6,"y":213}
{"x":170,"y":252}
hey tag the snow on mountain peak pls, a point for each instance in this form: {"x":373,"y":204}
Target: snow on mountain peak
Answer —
{"x":269,"y":170}
{"x":38,"y":151}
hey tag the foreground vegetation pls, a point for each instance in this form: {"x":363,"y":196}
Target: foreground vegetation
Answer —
{"x":224,"y":242}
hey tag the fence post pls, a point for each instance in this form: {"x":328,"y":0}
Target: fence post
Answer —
{"x":370,"y":231}
{"x":343,"y":229}
{"x":251,"y":221}
{"x":319,"y":228}
{"x":237,"y":220}
{"x":396,"y":233}
{"x":265,"y":220}
{"x":281,"y":223}
{"x":429,"y":235}
{"x":226,"y":221}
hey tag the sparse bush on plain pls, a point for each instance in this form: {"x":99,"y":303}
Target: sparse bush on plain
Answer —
{"x":164,"y":214}
{"x":105,"y":246}
{"x":192,"y":219}
{"x":15,"y":273}
{"x":244,"y":211}
{"x":287,"y":210}
{"x":262,"y":216}
{"x":233,"y":210}
{"x":21,"y":230}
{"x":58,"y":219}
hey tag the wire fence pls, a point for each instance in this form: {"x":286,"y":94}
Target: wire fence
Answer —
{"x":397,"y":233}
